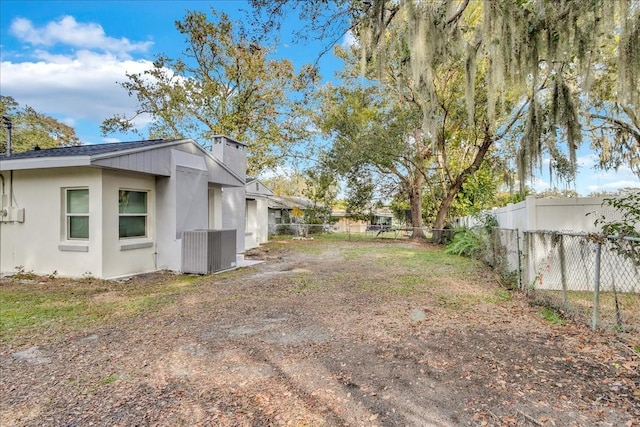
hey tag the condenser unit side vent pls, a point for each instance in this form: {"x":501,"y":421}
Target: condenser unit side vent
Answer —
{"x":208,"y":251}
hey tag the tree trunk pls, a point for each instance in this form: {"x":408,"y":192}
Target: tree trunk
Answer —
{"x":456,"y":185}
{"x":415,"y":199}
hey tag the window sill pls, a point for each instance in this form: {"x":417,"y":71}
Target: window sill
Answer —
{"x":73,"y":248}
{"x":132,"y":246}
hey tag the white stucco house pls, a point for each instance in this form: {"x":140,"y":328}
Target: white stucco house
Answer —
{"x":112,"y":210}
{"x":256,"y":213}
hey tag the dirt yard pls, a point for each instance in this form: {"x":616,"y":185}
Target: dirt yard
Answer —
{"x":325,"y":334}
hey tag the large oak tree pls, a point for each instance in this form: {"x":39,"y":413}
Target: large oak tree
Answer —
{"x":540,"y":55}
{"x":224,"y":84}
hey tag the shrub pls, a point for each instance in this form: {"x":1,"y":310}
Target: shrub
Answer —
{"x":466,"y":242}
{"x":626,"y":226}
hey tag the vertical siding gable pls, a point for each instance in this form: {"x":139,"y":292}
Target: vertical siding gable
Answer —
{"x":154,"y":162}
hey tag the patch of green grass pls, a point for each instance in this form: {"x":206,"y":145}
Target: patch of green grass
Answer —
{"x":409,"y":285}
{"x":108,"y":380}
{"x":303,"y":283}
{"x":552,"y":316}
{"x":359,"y":252}
{"x":404,"y":285}
{"x":58,"y":305}
{"x":428,"y":261}
{"x":431,"y":262}
{"x":25,"y":309}
{"x":455,"y":302}
{"x":499,"y":296}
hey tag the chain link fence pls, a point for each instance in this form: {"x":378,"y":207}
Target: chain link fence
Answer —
{"x":357,"y":232}
{"x":504,"y":255}
{"x":585,"y":276}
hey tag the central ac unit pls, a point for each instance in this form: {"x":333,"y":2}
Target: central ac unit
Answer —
{"x":208,"y":251}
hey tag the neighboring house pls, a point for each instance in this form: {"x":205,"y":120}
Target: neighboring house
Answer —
{"x":256,"y":213}
{"x":112,"y":210}
{"x":380,"y":218}
{"x":281,"y":209}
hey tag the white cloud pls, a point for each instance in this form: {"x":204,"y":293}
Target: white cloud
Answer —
{"x":587,"y":161}
{"x":84,"y":86}
{"x":72,"y":72}
{"x":349,"y":40}
{"x":613,"y":186}
{"x":539,"y":184}
{"x":67,"y":31}
{"x":109,"y":140}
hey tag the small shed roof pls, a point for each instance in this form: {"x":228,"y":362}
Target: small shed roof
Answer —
{"x":289,"y":202}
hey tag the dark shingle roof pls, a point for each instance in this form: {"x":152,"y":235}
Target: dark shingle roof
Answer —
{"x":85,"y":150}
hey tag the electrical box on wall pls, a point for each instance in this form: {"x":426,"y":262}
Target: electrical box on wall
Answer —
{"x":11,"y":214}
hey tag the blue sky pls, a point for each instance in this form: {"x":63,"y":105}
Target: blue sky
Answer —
{"x":64,"y":58}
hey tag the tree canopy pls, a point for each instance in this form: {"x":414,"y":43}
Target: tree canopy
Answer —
{"x":534,"y":73}
{"x":545,"y":52}
{"x":225,"y":83}
{"x":31,"y":129}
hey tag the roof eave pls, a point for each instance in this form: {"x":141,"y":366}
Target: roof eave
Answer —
{"x":139,"y":149}
{"x":44,"y":162}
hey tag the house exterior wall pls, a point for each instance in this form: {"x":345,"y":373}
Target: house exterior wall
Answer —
{"x":233,"y":155}
{"x":257,"y":223}
{"x":128,"y":256}
{"x":182,"y":205}
{"x":186,"y":190}
{"x":262,"y":221}
{"x":215,"y":207}
{"x":233,"y":214}
{"x":39,"y":244}
{"x":251,"y":224}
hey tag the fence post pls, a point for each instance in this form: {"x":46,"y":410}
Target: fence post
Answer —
{"x":563,"y":270}
{"x":596,"y":290}
{"x":526,"y":242}
{"x":519,"y":254}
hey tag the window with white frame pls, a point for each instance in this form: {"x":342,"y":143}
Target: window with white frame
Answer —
{"x":132,"y":209}
{"x":77,"y":213}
